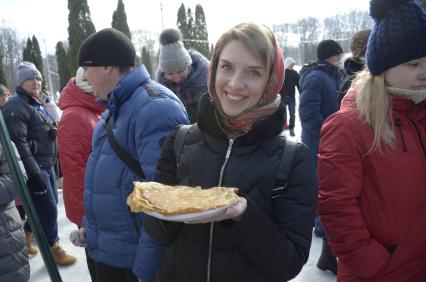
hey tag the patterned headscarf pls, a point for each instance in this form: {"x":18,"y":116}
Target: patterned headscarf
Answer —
{"x":268,"y":102}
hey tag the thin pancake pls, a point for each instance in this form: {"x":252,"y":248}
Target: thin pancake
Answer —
{"x":173,"y":200}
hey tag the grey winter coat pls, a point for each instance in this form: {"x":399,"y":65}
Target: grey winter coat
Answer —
{"x":13,"y":254}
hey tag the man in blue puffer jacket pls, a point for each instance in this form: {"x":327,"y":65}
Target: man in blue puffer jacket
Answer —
{"x":319,"y":83}
{"x":142,"y":113}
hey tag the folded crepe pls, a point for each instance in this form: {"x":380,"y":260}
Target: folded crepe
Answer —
{"x":173,"y":200}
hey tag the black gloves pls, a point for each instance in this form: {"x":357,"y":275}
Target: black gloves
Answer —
{"x":36,"y":184}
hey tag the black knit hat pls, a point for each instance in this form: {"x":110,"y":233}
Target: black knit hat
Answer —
{"x":328,"y":48}
{"x":398,"y":34}
{"x":107,"y":47}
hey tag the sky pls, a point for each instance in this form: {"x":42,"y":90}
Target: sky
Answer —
{"x":48,"y":19}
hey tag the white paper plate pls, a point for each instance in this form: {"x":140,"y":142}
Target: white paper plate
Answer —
{"x":189,"y":216}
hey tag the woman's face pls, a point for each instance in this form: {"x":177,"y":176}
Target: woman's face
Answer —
{"x":241,"y":78}
{"x":32,"y":86}
{"x":409,"y":75}
{"x":178,"y":77}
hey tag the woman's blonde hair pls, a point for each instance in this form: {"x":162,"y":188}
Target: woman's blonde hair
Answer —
{"x":374,"y":106}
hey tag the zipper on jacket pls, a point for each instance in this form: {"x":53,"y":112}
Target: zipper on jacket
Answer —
{"x":222,"y":170}
{"x":420,"y":138}
{"x":399,"y":124}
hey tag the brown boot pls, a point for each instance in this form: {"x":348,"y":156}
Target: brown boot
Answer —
{"x":60,"y":256}
{"x":32,"y":250}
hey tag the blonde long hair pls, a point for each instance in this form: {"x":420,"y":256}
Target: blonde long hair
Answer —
{"x":374,"y":106}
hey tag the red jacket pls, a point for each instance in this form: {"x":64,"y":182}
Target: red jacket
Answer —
{"x":80,"y":115}
{"x":373,"y":206}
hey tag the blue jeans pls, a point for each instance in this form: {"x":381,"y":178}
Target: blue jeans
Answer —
{"x":290,"y":102}
{"x":46,"y":206}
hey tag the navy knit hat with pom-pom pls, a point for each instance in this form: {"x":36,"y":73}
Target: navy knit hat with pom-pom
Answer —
{"x":173,"y":55}
{"x":398,"y":34}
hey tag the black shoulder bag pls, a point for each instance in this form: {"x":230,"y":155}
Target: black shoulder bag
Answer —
{"x":124,"y":156}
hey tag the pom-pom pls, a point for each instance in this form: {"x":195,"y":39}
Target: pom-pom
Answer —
{"x":379,"y":8}
{"x":170,"y":35}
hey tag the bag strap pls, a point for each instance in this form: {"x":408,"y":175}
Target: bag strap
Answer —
{"x":180,"y":140}
{"x":124,"y":156}
{"x":284,"y":168}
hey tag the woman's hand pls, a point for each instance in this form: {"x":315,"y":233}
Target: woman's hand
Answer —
{"x":234,"y":212}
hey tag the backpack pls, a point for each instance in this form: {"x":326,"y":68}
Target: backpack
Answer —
{"x":283,"y":171}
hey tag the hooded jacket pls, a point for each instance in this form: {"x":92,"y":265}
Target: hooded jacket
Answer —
{"x":143,"y":114}
{"x":272,"y":240}
{"x":194,"y":86}
{"x":14,"y":264}
{"x":80,"y":115}
{"x":372,"y":206}
{"x":319,"y":85}
{"x":352,"y":66}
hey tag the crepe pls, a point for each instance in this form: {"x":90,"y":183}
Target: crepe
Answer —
{"x":174,"y":200}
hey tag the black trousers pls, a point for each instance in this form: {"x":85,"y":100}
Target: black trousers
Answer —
{"x":107,"y":273}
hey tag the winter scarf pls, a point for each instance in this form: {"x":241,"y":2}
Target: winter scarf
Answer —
{"x":417,"y":96}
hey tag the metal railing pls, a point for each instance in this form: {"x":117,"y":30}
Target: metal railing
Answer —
{"x":28,"y":205}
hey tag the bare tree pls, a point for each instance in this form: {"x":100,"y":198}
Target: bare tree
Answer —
{"x":356,"y":21}
{"x":148,"y":40}
{"x":12,"y":55}
{"x":308,"y":29}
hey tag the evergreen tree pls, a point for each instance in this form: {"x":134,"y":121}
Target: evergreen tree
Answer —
{"x":79,"y":28}
{"x":27,"y":53}
{"x":146,"y":60}
{"x":31,"y":53}
{"x":63,"y":66}
{"x":200,"y":32}
{"x":119,"y":19}
{"x":38,"y":60}
{"x":182,"y":22}
{"x":188,"y":40}
{"x":2,"y":77}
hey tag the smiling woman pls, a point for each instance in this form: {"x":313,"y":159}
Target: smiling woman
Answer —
{"x":239,"y":127}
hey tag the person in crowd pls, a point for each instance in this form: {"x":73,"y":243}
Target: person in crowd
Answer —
{"x":4,"y":95}
{"x":182,"y":71}
{"x":14,"y":264}
{"x":140,"y":114}
{"x":356,"y":62}
{"x":51,"y":108}
{"x":372,"y":155}
{"x":80,"y":115}
{"x":265,"y":236}
{"x":33,"y":131}
{"x":288,"y":93}
{"x":319,"y":83}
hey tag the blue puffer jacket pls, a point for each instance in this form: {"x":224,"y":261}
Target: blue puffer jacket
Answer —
{"x":141,"y":120}
{"x":319,"y":85}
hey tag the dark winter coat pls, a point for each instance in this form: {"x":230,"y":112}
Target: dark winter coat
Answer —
{"x":194,"y":86}
{"x":31,"y":130}
{"x":272,"y":240}
{"x":373,"y":205}
{"x":13,"y":253}
{"x":291,"y":82}
{"x":319,"y":85}
{"x":352,"y":66}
